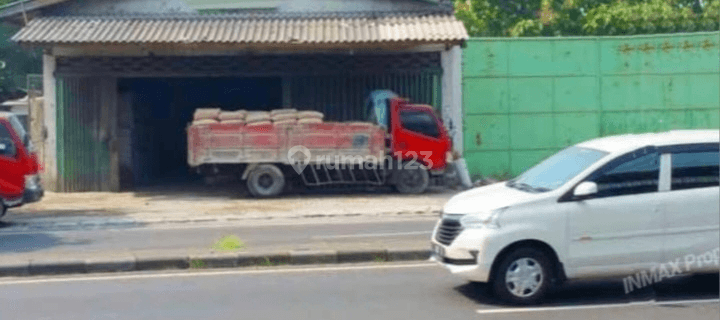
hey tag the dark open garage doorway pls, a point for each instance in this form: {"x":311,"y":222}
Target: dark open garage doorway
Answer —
{"x":154,"y":113}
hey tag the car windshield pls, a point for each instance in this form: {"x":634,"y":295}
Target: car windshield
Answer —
{"x":555,"y":171}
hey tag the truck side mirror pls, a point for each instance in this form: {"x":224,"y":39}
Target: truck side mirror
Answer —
{"x":7,"y":148}
{"x":585,"y":189}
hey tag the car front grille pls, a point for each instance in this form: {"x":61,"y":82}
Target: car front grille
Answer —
{"x":449,"y":229}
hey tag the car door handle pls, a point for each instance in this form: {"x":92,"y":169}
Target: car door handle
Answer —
{"x":585,"y":238}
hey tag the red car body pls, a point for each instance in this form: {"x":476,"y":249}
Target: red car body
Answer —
{"x":19,"y":167}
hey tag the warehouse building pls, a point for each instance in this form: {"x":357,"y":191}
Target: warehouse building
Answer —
{"x":123,"y":77}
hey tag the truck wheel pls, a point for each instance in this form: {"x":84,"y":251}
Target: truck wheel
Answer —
{"x":523,"y":276}
{"x":412,"y":179}
{"x":266,"y":181}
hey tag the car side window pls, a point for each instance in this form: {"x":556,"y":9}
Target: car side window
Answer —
{"x":6,"y":142}
{"x":634,"y":173}
{"x":420,"y":122}
{"x":699,"y":169}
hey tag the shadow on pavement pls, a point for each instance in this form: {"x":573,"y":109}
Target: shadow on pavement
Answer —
{"x":233,"y":189}
{"x":698,"y":287}
{"x":29,"y":212}
{"x":22,"y":243}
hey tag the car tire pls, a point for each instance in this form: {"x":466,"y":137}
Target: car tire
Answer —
{"x":532,"y":276}
{"x":266,"y":181}
{"x":411,"y":178}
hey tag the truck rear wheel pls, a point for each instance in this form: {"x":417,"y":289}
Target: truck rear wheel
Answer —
{"x":411,"y":179}
{"x":266,"y":180}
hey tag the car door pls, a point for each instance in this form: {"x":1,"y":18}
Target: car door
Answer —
{"x":12,"y":178}
{"x":691,"y":205}
{"x":420,"y":136}
{"x":619,"y":228}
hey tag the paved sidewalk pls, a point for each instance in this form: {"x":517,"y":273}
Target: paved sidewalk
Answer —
{"x":223,"y":204}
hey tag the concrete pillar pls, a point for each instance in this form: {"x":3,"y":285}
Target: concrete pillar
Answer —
{"x":50,"y":173}
{"x":451,"y":61}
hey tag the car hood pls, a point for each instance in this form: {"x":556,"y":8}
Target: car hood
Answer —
{"x":488,"y":198}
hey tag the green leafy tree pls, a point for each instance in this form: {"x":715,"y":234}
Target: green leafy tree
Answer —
{"x":15,"y":64}
{"x":517,"y":18}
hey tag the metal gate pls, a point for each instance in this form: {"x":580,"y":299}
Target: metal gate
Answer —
{"x":84,"y":131}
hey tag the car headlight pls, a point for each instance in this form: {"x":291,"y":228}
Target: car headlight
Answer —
{"x":32,"y":181}
{"x":480,"y":220}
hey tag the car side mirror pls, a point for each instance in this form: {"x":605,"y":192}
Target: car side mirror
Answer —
{"x":585,"y":189}
{"x":7,"y":148}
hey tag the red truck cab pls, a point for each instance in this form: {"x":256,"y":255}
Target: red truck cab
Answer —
{"x":418,"y":134}
{"x":19,"y":167}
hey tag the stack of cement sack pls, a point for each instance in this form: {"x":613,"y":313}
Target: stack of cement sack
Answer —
{"x":206,"y":116}
{"x":291,"y":117}
{"x":257,"y":118}
{"x":279,"y":117}
{"x":233,"y":117}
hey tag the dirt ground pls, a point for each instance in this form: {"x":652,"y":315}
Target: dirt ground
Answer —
{"x":193,"y":203}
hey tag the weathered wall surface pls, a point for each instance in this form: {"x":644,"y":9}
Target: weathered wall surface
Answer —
{"x":96,"y":7}
{"x":525,"y":99}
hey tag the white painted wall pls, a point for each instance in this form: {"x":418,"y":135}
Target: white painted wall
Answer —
{"x":353,"y":5}
{"x":121,"y":6}
{"x":451,"y":61}
{"x":50,"y":174}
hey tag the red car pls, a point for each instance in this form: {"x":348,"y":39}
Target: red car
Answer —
{"x":19,"y":167}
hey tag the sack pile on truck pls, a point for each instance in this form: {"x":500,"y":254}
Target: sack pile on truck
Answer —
{"x":233,"y":117}
{"x":278,"y":117}
{"x":206,"y":116}
{"x":257,"y":118}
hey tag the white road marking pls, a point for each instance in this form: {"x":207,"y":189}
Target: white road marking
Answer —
{"x":598,"y":306}
{"x":372,"y":235}
{"x":181,"y":274}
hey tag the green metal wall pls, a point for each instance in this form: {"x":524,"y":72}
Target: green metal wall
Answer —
{"x":524,"y":99}
{"x":83,"y":132}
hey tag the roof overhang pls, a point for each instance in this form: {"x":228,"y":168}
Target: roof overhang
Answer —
{"x":238,"y":32}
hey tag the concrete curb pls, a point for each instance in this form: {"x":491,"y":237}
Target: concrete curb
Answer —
{"x":149,"y":262}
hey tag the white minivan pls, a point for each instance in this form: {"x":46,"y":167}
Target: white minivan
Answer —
{"x":609,"y":207}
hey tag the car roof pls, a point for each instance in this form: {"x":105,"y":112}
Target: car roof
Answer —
{"x":629,"y":142}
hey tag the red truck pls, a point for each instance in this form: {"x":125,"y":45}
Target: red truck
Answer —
{"x":402,"y":145}
{"x":19,"y":167}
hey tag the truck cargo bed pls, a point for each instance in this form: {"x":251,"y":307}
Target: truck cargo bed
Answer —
{"x":227,"y":143}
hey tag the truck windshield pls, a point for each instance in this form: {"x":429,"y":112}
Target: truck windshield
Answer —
{"x":20,"y":129}
{"x":555,"y":171}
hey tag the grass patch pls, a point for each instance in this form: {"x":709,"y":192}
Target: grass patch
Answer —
{"x":197,"y":264}
{"x":229,"y":243}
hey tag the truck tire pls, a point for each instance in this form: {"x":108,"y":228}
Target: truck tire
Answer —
{"x":266,"y":180}
{"x":411,"y":178}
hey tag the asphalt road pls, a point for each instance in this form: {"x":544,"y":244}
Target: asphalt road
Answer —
{"x":407,"y":233}
{"x":379,"y":291}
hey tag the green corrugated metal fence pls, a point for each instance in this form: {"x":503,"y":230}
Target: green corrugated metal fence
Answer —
{"x":524,"y":99}
{"x":83,"y":156}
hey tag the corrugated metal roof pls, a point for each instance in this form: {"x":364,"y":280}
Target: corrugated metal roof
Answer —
{"x":239,"y":29}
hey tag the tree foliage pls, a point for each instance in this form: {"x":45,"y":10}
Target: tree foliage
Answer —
{"x":15,"y":64}
{"x":517,"y":18}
